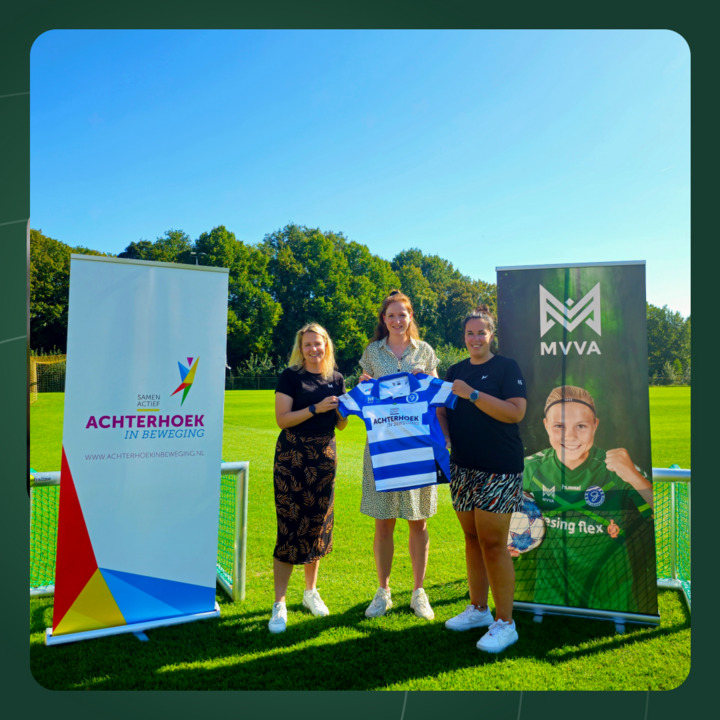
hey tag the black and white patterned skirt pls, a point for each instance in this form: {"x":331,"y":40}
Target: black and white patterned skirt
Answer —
{"x":304,"y":483}
{"x":476,"y":489}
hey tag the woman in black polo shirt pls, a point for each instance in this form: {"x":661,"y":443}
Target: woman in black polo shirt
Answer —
{"x":306,"y":401}
{"x":486,"y":464}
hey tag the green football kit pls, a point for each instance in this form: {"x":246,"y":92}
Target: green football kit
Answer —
{"x":598,"y":550}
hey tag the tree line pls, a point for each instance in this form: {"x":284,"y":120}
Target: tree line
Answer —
{"x":298,"y":274}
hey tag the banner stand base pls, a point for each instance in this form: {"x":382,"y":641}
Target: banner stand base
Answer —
{"x":619,"y":618}
{"x":137,"y":628}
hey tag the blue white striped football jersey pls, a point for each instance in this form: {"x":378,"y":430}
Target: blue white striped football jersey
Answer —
{"x":407,"y":447}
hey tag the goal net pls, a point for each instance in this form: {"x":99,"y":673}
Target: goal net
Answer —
{"x":46,"y":374}
{"x":232,"y":530}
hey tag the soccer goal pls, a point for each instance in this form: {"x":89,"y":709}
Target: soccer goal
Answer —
{"x":46,"y":374}
{"x":232,"y":530}
{"x":671,"y":492}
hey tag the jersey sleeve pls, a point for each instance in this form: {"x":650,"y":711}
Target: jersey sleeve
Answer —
{"x":351,"y":403}
{"x":513,"y":383}
{"x":443,"y":393}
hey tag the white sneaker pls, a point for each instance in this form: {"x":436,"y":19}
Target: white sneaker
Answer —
{"x":421,"y":605}
{"x":500,"y":635}
{"x":380,"y":604}
{"x":314,"y":603}
{"x":278,"y":621}
{"x":470,"y":618}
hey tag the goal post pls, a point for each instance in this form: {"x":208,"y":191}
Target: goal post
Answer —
{"x":46,"y":373}
{"x":671,"y":493}
{"x":232,"y":530}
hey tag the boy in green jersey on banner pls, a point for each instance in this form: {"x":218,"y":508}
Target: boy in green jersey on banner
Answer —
{"x":598,"y":549}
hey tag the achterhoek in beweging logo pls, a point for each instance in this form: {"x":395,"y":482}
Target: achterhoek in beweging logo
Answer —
{"x":570,"y":314}
{"x":148,"y":422}
{"x":187,"y":376}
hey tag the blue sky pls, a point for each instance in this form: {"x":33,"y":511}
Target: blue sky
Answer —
{"x":488,"y":148}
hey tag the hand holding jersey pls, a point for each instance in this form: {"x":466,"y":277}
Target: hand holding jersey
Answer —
{"x":463,"y":390}
{"x":326,"y":404}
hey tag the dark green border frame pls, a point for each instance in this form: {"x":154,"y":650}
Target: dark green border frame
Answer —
{"x":22,"y":21}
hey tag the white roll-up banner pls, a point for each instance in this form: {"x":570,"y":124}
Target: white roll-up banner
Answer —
{"x":142,"y":444}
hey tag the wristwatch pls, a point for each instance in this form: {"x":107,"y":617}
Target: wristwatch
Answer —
{"x":474,"y":395}
{"x":312,"y":409}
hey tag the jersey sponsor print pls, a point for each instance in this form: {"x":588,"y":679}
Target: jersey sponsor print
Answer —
{"x":407,"y":446}
{"x":597,"y":533}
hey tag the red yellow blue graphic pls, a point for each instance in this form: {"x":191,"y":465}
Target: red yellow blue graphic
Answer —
{"x":89,"y":597}
{"x":187,"y":375}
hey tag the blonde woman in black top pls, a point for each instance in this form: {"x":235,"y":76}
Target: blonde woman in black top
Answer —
{"x":306,"y":401}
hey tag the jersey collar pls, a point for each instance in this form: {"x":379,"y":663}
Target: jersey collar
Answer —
{"x":413,"y":382}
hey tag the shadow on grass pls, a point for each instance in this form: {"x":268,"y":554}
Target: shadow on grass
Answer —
{"x":344,"y":651}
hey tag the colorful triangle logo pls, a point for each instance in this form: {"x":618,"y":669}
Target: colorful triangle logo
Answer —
{"x":187,"y":376}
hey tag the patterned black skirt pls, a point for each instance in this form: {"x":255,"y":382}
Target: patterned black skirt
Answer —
{"x":304,"y":482}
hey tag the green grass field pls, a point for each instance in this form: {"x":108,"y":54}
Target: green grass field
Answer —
{"x":345,"y":650}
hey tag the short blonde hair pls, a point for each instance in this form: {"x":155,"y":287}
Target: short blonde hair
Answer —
{"x":297,"y":359}
{"x":570,"y":393}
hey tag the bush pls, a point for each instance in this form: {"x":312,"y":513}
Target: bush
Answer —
{"x":448,"y":355}
{"x":259,"y":366}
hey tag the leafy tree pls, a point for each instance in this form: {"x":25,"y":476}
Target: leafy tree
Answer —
{"x":252,"y":312}
{"x":320,"y":276}
{"x":422,"y":294}
{"x":49,"y":290}
{"x":301,"y":274}
{"x":677,"y":368}
{"x":668,"y":339}
{"x":668,"y":372}
{"x":49,"y":287}
{"x":460,"y":295}
{"x":174,"y":247}
{"x":687,"y":357}
{"x":370,"y":279}
{"x":441,"y":294}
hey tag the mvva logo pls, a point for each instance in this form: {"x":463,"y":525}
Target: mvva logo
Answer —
{"x":552,"y":310}
{"x":570,"y":314}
